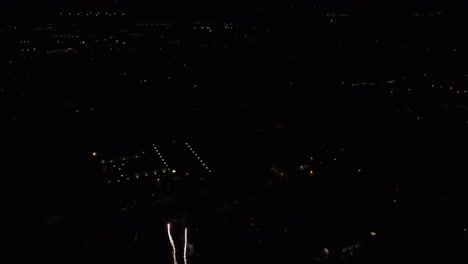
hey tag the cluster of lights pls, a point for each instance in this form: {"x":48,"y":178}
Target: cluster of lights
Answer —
{"x":165,"y":25}
{"x":28,"y":50}
{"x":124,"y":158}
{"x":137,"y":175}
{"x":160,"y":156}
{"x":90,"y":14}
{"x":451,"y":88}
{"x":370,"y":83}
{"x":198,"y":157}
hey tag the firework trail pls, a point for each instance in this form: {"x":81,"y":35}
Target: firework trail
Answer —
{"x":172,"y":243}
{"x":185,"y":247}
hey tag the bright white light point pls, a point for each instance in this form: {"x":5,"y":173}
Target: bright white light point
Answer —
{"x":173,"y":171}
{"x":94,"y":154}
{"x":359,"y":170}
{"x":373,"y":233}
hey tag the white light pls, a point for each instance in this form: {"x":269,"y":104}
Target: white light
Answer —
{"x":172,"y":243}
{"x":173,"y":171}
{"x":185,"y":247}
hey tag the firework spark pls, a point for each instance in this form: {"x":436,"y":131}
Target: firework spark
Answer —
{"x":172,"y":243}
{"x":185,"y":247}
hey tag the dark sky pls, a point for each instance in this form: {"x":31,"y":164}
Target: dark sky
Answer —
{"x":30,"y":10}
{"x":101,"y":3}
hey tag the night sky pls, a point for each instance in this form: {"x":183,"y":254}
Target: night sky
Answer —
{"x":268,"y":131}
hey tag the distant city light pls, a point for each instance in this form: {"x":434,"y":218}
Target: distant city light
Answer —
{"x":373,"y":233}
{"x":94,"y":154}
{"x":173,"y":171}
